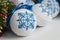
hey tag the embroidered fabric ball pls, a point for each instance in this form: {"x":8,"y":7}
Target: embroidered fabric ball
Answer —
{"x":51,"y":7}
{"x":23,"y":22}
{"x":42,"y":16}
{"x":45,"y":11}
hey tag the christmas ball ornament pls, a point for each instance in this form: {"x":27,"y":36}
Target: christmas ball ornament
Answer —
{"x":52,"y":6}
{"x":17,"y":2}
{"x":23,"y":22}
{"x":42,"y":17}
{"x":45,"y":9}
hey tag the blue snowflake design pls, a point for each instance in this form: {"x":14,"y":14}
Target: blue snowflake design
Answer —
{"x":50,"y":7}
{"x":26,"y":20}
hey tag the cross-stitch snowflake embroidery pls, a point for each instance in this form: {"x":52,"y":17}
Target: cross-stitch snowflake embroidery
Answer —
{"x":50,"y":7}
{"x":26,"y":20}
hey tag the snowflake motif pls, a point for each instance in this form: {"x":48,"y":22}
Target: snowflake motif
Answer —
{"x":26,"y":20}
{"x":50,"y":7}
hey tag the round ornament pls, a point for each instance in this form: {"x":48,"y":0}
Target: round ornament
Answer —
{"x":52,"y":6}
{"x":42,"y":16}
{"x":23,"y":22}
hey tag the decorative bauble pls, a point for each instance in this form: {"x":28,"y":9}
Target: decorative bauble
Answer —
{"x":27,"y":17}
{"x":42,"y":17}
{"x":52,"y":6}
{"x":23,"y":22}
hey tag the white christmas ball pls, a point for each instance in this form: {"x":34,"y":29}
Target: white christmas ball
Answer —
{"x":52,"y":7}
{"x":23,"y":22}
{"x":42,"y":17}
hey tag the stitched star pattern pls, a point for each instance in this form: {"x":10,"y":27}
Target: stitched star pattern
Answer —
{"x":26,"y":20}
{"x":50,"y":7}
